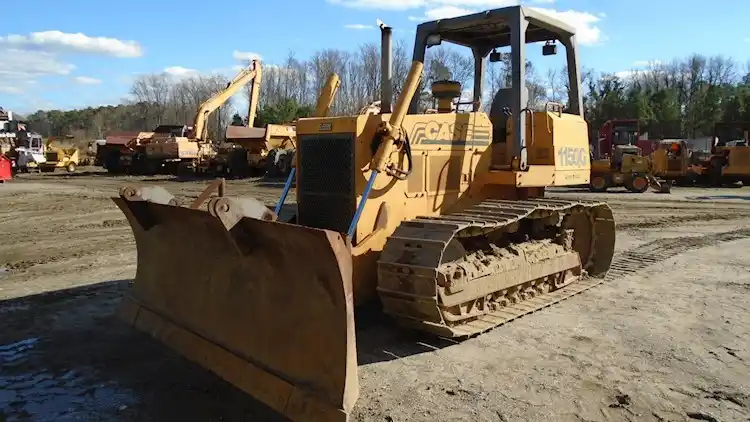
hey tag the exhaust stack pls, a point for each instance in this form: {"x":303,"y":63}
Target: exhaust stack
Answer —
{"x":386,"y":67}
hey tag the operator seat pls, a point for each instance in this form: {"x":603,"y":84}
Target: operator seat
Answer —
{"x":500,"y":104}
{"x":503,"y":98}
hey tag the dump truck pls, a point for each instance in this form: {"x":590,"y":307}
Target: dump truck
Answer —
{"x":124,"y":152}
{"x":269,"y":149}
{"x":442,"y":218}
{"x":266,"y":150}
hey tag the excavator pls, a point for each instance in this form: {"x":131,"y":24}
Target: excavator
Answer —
{"x":441,"y":218}
{"x":192,"y":147}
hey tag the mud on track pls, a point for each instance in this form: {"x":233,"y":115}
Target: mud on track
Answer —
{"x":664,"y":338}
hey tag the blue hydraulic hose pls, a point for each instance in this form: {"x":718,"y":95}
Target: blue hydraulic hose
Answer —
{"x":361,"y":206}
{"x":285,"y":192}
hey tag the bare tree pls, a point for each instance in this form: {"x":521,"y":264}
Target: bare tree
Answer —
{"x":152,"y":89}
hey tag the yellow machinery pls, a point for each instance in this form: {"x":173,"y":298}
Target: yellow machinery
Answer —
{"x":273,"y":148}
{"x":59,"y":157}
{"x":441,"y":216}
{"x":262,"y":148}
{"x":195,"y":149}
{"x":674,"y":160}
{"x":628,"y":168}
{"x":730,"y":157}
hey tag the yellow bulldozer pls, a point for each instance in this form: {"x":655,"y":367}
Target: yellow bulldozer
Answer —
{"x":628,"y":168}
{"x":442,"y":217}
{"x":675,"y":160}
{"x":730,"y":156}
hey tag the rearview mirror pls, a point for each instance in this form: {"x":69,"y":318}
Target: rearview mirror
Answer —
{"x":496,"y":57}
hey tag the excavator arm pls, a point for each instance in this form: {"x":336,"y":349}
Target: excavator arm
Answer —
{"x":253,"y":72}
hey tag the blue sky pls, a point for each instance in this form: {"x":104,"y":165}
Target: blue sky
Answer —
{"x":75,"y":53}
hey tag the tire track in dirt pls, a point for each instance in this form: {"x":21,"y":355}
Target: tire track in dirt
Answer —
{"x":640,"y":258}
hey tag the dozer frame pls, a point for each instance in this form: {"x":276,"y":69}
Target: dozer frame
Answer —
{"x":441,"y":216}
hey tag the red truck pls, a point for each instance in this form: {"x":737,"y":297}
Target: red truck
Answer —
{"x":621,"y":132}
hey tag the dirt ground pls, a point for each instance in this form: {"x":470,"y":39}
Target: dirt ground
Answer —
{"x":665,"y":338}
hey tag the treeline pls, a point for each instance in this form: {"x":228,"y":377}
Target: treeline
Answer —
{"x":682,"y":98}
{"x":154,"y":99}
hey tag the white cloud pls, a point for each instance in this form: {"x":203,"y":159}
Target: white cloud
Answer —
{"x":483,"y":4}
{"x":587,"y":32}
{"x":359,"y":26}
{"x":442,"y":12}
{"x":245,"y":55}
{"x":585,"y":23}
{"x":179,"y":71}
{"x":640,"y":67}
{"x":429,"y":4}
{"x":57,"y":41}
{"x":7,"y":89}
{"x":20,"y":69}
{"x":626,"y":74}
{"x":645,"y":63}
{"x":26,"y":65}
{"x":382,"y":4}
{"x":85,"y":80}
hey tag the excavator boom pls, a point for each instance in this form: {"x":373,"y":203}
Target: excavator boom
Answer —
{"x":253,"y":72}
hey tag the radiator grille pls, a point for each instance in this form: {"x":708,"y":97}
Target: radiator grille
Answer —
{"x":326,"y":196}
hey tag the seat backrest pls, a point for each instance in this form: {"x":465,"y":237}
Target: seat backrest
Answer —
{"x":503,"y":98}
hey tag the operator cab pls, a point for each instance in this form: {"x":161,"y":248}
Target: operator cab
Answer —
{"x":484,"y":33}
{"x":624,"y":134}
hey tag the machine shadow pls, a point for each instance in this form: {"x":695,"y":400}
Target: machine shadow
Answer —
{"x":87,"y":173}
{"x":262,"y":181}
{"x":380,"y":339}
{"x":622,"y":191}
{"x":65,"y":354}
{"x":715,"y":197}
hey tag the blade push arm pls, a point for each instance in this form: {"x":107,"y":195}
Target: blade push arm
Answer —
{"x":391,"y":130}
{"x":200,"y":128}
{"x":325,"y":100}
{"x":390,"y":133}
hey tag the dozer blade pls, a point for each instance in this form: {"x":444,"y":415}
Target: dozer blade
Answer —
{"x":267,"y":306}
{"x":660,"y":186}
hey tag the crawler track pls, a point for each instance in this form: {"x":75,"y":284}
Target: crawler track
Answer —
{"x":402,"y":270}
{"x":429,"y":281}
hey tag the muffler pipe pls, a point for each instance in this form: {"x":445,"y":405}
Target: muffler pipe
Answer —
{"x":386,"y":67}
